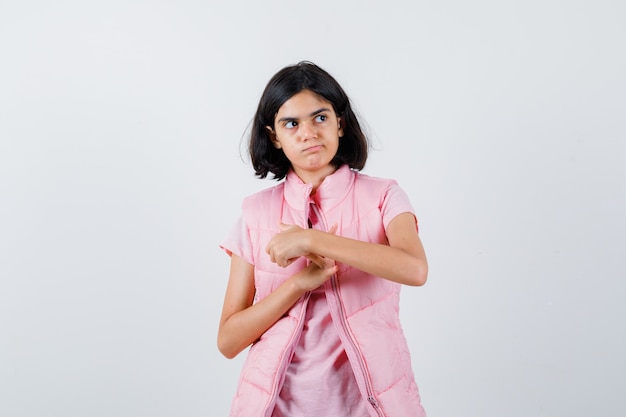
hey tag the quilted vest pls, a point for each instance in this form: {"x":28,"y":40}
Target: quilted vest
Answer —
{"x":364,"y":307}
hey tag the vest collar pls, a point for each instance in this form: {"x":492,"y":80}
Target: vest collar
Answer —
{"x":329,"y":194}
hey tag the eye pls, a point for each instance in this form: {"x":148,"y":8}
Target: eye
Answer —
{"x":321,"y":118}
{"x":290,"y":124}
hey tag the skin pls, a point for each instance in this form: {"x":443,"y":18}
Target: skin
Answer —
{"x":307,"y":129}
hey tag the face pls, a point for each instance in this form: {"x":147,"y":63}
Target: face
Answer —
{"x":307,"y":129}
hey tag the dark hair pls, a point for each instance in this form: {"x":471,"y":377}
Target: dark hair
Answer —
{"x":287,"y":82}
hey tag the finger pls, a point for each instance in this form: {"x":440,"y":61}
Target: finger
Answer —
{"x":328,"y":272}
{"x":333,"y":229}
{"x":317,"y":260}
{"x":284,"y":263}
{"x":284,"y":227}
{"x":271,"y":254}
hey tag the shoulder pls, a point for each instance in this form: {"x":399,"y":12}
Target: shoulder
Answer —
{"x":373,"y":183}
{"x":264,"y":197}
{"x":386,"y":192}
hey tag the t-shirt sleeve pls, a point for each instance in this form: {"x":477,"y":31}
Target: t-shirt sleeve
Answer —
{"x":238,"y":241}
{"x":395,"y":202}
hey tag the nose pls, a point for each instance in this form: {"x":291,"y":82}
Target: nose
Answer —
{"x":307,"y":131}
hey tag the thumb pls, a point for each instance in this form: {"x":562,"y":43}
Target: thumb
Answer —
{"x":317,"y":260}
{"x":331,"y":270}
{"x":284,"y":227}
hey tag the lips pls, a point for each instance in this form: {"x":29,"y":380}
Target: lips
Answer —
{"x":314,"y":148}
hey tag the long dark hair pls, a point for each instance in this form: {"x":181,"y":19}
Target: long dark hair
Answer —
{"x":287,"y":82}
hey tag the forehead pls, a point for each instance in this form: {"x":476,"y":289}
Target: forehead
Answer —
{"x":302,"y":104}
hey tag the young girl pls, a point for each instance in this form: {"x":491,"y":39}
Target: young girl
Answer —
{"x":316,"y":265}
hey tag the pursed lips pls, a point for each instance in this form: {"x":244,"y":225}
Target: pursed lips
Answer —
{"x":312,"y":148}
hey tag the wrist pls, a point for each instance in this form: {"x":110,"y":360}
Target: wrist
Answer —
{"x":294,"y":286}
{"x":309,"y":241}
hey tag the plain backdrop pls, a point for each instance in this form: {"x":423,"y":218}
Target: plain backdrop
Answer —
{"x":122,"y":166}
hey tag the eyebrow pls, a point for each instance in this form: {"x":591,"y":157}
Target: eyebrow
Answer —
{"x":293,"y":119}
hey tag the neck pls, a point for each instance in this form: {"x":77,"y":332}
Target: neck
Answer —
{"x":316,"y":178}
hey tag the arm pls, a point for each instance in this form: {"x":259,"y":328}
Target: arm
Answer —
{"x":243,"y":322}
{"x":403,"y":260}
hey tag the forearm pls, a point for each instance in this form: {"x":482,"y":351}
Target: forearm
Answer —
{"x":246,"y":326}
{"x":385,"y":261}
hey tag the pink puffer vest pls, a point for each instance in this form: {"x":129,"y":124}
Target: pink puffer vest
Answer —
{"x":364,"y":306}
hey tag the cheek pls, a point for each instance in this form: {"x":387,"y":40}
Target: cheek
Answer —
{"x":287,"y":149}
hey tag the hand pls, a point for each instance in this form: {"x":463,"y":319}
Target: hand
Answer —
{"x":291,"y":243}
{"x":313,"y":275}
{"x":287,"y":245}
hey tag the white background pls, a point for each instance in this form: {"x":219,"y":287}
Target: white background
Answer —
{"x":122,"y":166}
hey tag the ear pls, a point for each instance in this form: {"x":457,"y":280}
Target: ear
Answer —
{"x":340,"y":126}
{"x":273,"y":138}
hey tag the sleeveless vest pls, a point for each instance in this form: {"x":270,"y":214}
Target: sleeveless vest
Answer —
{"x":364,"y":308}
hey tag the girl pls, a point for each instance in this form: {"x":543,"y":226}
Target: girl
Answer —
{"x":316,"y":265}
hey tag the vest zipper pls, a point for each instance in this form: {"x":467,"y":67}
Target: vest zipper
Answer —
{"x":371,"y":398}
{"x":286,"y":359}
{"x":361,"y":363}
